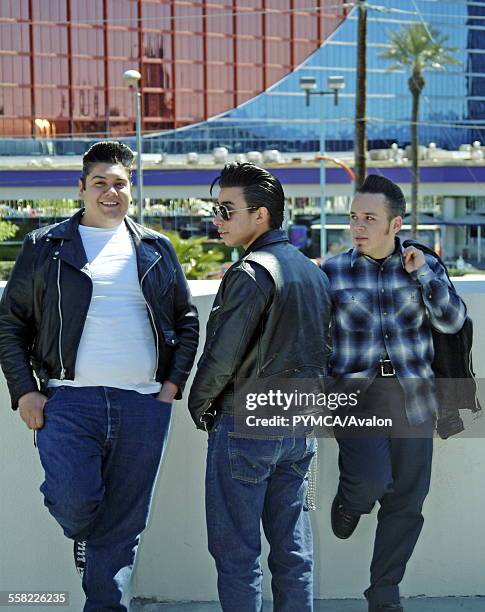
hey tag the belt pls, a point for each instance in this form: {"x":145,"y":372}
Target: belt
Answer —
{"x":386,"y":368}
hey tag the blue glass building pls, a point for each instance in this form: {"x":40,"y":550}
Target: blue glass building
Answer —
{"x":453,"y":101}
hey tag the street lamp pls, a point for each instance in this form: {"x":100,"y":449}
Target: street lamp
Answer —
{"x":132,"y":78}
{"x":309,"y":84}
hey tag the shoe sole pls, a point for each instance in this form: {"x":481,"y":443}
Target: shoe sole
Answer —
{"x":79,"y":551}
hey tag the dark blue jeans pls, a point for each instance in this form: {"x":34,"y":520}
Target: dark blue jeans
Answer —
{"x":254,"y":479}
{"x":101,"y":449}
{"x":396,"y":472}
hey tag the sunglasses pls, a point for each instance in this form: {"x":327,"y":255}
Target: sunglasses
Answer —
{"x":225,"y":213}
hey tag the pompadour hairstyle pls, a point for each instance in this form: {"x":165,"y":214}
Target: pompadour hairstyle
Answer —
{"x":396,"y":202}
{"x":107,"y":152}
{"x":260,"y":188}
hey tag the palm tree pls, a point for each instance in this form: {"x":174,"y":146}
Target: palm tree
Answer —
{"x":417,"y":47}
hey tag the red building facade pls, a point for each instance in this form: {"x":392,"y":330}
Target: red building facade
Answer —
{"x":62,"y":61}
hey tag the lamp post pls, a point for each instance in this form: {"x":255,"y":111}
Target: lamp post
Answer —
{"x":132,"y":78}
{"x":308,"y":84}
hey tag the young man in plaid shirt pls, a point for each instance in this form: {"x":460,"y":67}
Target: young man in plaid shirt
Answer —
{"x":386,"y":301}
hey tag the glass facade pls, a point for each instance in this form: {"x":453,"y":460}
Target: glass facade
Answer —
{"x":226,"y":73}
{"x":62,"y":61}
{"x":452,"y":107}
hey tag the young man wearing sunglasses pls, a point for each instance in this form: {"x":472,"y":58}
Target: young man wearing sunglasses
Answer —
{"x":270,"y":319}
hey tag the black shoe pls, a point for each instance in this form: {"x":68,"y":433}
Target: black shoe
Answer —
{"x":386,"y":608}
{"x":80,"y":556}
{"x":343,"y":523}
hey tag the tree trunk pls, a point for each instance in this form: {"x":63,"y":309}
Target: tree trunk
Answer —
{"x":416,"y":85}
{"x":360,"y":146}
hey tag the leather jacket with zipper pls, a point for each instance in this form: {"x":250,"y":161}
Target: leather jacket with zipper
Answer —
{"x":45,"y":303}
{"x":270,"y":318}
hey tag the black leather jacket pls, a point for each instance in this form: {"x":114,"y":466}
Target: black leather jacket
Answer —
{"x":270,"y":318}
{"x":45,"y":303}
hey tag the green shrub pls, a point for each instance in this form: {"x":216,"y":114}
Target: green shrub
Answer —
{"x":5,"y":269}
{"x":7,"y":230}
{"x":195,"y":261}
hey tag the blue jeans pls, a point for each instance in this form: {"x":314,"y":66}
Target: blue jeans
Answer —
{"x":254,"y":479}
{"x":101,"y":449}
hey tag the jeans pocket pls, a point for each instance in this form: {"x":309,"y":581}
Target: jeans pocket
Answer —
{"x":52,"y":393}
{"x":215,"y":425}
{"x":252,"y":459}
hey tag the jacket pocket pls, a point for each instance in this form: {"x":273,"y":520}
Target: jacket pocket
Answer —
{"x":170,"y":337}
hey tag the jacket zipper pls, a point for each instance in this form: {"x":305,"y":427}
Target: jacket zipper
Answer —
{"x":59,"y":308}
{"x":151,"y":314}
{"x":63,"y":371}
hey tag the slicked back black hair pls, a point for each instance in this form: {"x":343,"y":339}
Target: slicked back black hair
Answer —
{"x":260,"y":188}
{"x":107,"y":152}
{"x":395,"y":200}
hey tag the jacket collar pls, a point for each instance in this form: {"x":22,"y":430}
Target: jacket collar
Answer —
{"x":66,"y":230}
{"x":272,"y":236}
{"x":398,"y":250}
{"x":73,"y":253}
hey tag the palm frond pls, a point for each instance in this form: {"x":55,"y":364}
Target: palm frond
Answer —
{"x":419,"y":47}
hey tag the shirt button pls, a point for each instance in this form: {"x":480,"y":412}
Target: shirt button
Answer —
{"x":382,"y":290}
{"x":385,"y":314}
{"x":429,"y":296}
{"x":386,"y":335}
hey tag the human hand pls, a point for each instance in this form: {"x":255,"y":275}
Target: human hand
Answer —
{"x":413,"y":259}
{"x":167,"y":392}
{"x":31,"y":409}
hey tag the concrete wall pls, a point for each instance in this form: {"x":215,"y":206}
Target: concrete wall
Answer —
{"x":173,"y":563}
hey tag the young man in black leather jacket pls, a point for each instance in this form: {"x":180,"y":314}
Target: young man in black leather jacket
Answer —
{"x":270,"y":319}
{"x":98,"y":307}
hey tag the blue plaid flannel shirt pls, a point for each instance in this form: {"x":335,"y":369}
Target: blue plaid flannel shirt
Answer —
{"x":380,"y":310}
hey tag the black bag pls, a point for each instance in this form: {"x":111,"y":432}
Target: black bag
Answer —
{"x":453,"y":366}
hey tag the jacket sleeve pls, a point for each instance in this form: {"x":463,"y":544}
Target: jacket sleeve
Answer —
{"x":186,"y":329}
{"x":446,"y":309}
{"x":230,"y":331}
{"x":17,"y":326}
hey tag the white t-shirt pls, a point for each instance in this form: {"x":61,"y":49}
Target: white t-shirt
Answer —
{"x":117,"y":347}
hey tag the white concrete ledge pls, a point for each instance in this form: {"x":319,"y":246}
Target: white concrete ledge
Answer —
{"x":173,"y":563}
